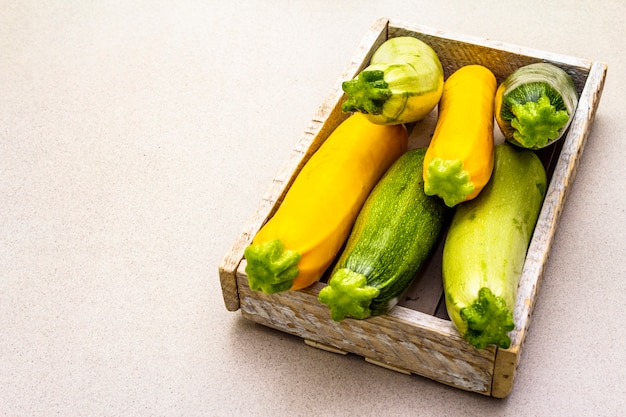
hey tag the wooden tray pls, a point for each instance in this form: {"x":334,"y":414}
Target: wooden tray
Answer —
{"x":416,"y":336}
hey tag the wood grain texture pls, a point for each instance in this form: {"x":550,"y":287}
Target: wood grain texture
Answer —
{"x":456,"y":50}
{"x":404,"y":339}
{"x":416,"y":336}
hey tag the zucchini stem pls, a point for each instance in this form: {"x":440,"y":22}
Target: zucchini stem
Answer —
{"x":367,"y":93}
{"x":448,"y":180}
{"x":488,"y":321}
{"x":348,"y":295}
{"x":270,"y":267}
{"x":537,"y":123}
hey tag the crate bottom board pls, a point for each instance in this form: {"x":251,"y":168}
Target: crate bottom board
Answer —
{"x":403,"y":340}
{"x":331,"y":349}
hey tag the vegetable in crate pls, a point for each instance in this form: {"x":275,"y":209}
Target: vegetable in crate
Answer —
{"x":402,"y":84}
{"x":459,"y":159}
{"x":391,"y":239}
{"x":535,"y":105}
{"x":298,"y":243}
{"x":485,"y":248}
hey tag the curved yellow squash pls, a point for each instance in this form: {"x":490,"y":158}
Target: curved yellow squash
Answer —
{"x":459,"y":158}
{"x":294,"y":248}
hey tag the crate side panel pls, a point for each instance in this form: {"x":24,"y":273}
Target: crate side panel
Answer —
{"x":456,"y":50}
{"x":405,"y":339}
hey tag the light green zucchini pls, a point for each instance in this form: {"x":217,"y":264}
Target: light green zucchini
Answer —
{"x":485,"y":248}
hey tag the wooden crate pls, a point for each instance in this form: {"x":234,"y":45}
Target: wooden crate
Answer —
{"x":416,"y":336}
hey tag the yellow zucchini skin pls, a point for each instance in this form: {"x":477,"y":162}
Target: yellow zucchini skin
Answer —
{"x":298,"y":243}
{"x":459,"y":158}
{"x":486,"y":244}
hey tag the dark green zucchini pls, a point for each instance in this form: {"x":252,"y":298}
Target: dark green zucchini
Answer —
{"x":392,"y":238}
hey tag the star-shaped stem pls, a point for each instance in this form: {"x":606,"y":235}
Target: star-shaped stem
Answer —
{"x":367,"y":93}
{"x":348,"y":295}
{"x":270,"y":267}
{"x":447,"y":179}
{"x":537,"y":123}
{"x":488,"y":321}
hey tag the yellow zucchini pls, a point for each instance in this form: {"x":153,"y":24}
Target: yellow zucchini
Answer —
{"x":459,"y":158}
{"x":402,"y":84}
{"x":294,"y":248}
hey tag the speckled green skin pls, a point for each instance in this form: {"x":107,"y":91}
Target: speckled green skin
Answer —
{"x":393,"y":236}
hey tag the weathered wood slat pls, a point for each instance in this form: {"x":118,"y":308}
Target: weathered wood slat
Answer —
{"x":404,"y":338}
{"x":456,"y":50}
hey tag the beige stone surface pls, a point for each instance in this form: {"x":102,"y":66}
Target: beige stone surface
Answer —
{"x":136,"y":139}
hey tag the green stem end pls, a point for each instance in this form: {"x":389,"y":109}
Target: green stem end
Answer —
{"x":448,"y":180}
{"x":270,"y":267}
{"x":537,"y":123}
{"x":367,"y":93}
{"x":488,"y":321}
{"x":348,"y":295}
